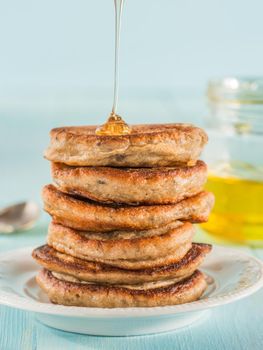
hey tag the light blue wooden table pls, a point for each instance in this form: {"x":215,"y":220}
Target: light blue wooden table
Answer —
{"x":238,"y":326}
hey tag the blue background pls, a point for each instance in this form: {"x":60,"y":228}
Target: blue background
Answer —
{"x":62,"y":43}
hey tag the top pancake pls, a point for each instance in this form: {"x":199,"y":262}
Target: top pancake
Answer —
{"x":148,"y":145}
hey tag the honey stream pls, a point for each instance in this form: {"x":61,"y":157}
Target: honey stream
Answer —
{"x":115,"y":125}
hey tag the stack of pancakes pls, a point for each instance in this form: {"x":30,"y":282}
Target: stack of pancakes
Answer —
{"x":122,"y":210}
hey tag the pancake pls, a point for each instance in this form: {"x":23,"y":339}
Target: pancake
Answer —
{"x":130,"y":264}
{"x":119,"y":245}
{"x":92,"y":216}
{"x":65,"y":290}
{"x":131,"y":185}
{"x":101,"y":273}
{"x":146,"y":146}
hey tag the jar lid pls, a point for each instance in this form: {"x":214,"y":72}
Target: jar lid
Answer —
{"x":240,"y":90}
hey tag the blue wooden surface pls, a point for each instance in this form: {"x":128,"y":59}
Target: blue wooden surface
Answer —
{"x":23,"y":171}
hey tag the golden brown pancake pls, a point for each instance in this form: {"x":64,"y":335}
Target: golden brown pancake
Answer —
{"x":147,"y":146}
{"x":130,"y":264}
{"x":65,"y":290}
{"x":131,"y":185}
{"x":92,"y":216}
{"x":118,"y":245}
{"x":101,"y":273}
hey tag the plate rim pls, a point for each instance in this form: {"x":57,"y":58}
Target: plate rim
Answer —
{"x":19,"y":302}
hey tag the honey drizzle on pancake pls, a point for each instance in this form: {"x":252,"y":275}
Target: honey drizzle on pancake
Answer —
{"x":115,"y":125}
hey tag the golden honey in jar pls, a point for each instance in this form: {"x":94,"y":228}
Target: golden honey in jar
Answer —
{"x":235,"y":159}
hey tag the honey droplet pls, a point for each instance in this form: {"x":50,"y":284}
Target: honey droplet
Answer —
{"x":191,"y":162}
{"x":115,"y":126}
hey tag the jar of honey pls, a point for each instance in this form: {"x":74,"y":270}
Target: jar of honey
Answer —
{"x":235,"y":159}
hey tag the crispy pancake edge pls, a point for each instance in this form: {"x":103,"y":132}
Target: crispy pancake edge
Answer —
{"x":96,"y":295}
{"x":93,"y":216}
{"x":53,"y":260}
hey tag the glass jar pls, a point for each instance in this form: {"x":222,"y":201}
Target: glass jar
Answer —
{"x":235,"y":159}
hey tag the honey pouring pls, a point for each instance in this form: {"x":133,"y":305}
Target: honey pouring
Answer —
{"x":115,"y":125}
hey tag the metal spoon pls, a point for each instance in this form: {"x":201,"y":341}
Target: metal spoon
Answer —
{"x":18,"y":217}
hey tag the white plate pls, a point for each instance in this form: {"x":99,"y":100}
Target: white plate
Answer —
{"x":231,"y":275}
